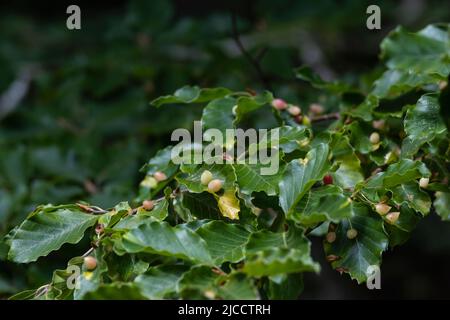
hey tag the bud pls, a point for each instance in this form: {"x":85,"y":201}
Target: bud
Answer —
{"x":149,"y":182}
{"x":99,"y":229}
{"x":294,"y":111}
{"x":90,"y":263}
{"x":210,"y":294}
{"x":331,"y":237}
{"x":374,"y":138}
{"x":206,"y":177}
{"x":423,"y":182}
{"x":382,"y":208}
{"x":352,"y":233}
{"x":316,"y":108}
{"x":378,"y":124}
{"x":214,"y":185}
{"x":148,"y":205}
{"x":341,"y":270}
{"x":327,"y":179}
{"x":392,"y":217}
{"x":332,"y":257}
{"x":279,"y":104}
{"x":159,"y":176}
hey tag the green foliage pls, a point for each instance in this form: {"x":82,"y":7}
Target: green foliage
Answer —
{"x":46,"y":230}
{"x":250,"y":240}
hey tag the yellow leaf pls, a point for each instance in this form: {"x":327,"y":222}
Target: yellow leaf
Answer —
{"x":229,"y":205}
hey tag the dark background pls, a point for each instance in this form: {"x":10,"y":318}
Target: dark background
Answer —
{"x":85,"y":126}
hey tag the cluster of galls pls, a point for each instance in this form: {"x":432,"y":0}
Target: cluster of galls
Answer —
{"x":152,"y":181}
{"x":381,"y":208}
{"x":384,"y":210}
{"x":158,"y":176}
{"x":331,"y":235}
{"x":296,"y":111}
{"x":207,"y":179}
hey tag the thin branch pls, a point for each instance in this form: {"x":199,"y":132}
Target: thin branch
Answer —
{"x":88,"y":252}
{"x":91,"y":209}
{"x":254,"y":62}
{"x":326,"y":117}
{"x":261,"y":54}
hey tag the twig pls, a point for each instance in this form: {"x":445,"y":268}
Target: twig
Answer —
{"x":88,"y":252}
{"x":254,"y":62}
{"x":261,"y":54}
{"x":42,"y":290}
{"x":91,"y":209}
{"x":326,"y":117}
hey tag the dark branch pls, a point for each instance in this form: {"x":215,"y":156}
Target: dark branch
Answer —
{"x":254,"y":62}
{"x":326,"y":117}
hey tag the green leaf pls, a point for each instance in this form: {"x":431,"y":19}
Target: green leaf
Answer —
{"x":327,"y":203}
{"x":160,"y":238}
{"x":193,"y":94}
{"x":356,"y":255}
{"x":23,"y":295}
{"x":250,"y":179}
{"x":201,"y":282}
{"x":246,"y":104}
{"x":46,"y":230}
{"x":422,"y":124}
{"x":359,"y":138}
{"x":403,"y":171}
{"x":115,"y":291}
{"x":218,"y":115}
{"x":285,"y":287}
{"x":398,"y":173}
{"x":349,"y":173}
{"x":394,"y":83}
{"x":364,"y":109}
{"x":225,"y":241}
{"x":238,"y":286}
{"x":130,"y":222}
{"x":424,"y":52}
{"x":300,"y":176}
{"x":201,"y":205}
{"x":307,"y":74}
{"x":407,"y":220}
{"x":197,"y":282}
{"x":273,"y":253}
{"x":160,"y":281}
{"x":410,"y":194}
{"x":442,"y":205}
{"x":290,"y":138}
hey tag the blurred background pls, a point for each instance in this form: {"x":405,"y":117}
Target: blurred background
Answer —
{"x":80,"y":125}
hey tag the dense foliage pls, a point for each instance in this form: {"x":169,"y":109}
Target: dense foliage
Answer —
{"x":360,"y":166}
